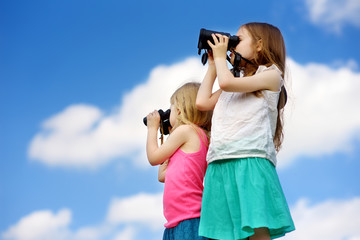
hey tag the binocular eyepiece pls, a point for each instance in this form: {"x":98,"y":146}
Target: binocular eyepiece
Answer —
{"x":164,"y":121}
{"x":206,"y":35}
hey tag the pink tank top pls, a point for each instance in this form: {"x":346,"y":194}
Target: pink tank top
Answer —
{"x":184,"y":184}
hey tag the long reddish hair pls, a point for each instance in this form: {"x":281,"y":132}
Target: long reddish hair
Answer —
{"x":273,"y":51}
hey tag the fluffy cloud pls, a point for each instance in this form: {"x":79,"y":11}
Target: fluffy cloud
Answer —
{"x":330,"y":220}
{"x":83,"y":136}
{"x":321,"y":108}
{"x":127,"y":234}
{"x":70,"y":138}
{"x":333,"y":13}
{"x":141,"y":208}
{"x":41,"y":225}
{"x":126,"y":219}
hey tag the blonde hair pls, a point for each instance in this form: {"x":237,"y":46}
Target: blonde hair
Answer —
{"x":273,"y":51}
{"x":184,"y":99}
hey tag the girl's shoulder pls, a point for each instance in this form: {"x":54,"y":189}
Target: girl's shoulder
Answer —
{"x":184,"y":128}
{"x":187,"y":129}
{"x":263,"y":68}
{"x":190,"y":136}
{"x":273,"y":75}
{"x":182,"y":131}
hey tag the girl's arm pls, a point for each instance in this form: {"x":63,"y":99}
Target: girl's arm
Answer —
{"x":162,"y":171}
{"x":206,"y":99}
{"x":158,"y":154}
{"x":267,"y":80}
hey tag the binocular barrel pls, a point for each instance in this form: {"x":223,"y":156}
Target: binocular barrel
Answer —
{"x":164,"y":119}
{"x":205,"y":35}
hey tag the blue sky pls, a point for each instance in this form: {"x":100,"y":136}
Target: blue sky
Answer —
{"x":77,"y":77}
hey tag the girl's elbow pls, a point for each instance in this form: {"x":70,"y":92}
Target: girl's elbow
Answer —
{"x":161,"y":179}
{"x":223,"y":85}
{"x":200,"y":105}
{"x":203,"y":105}
{"x":225,"y":82}
{"x":152,"y":161}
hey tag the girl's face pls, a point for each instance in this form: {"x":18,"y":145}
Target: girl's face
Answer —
{"x":246,"y":45}
{"x":173,"y":115}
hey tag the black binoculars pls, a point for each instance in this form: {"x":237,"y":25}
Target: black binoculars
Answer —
{"x":206,"y":35}
{"x":164,"y":121}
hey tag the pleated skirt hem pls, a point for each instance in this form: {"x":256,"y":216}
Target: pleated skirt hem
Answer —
{"x":241,"y":195}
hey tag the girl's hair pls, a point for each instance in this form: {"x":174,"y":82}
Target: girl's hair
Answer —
{"x":184,"y":99}
{"x":272,"y":52}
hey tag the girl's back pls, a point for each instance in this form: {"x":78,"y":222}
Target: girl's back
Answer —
{"x":184,"y":178}
{"x":183,"y":162}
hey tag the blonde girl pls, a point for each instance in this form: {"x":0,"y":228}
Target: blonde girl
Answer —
{"x":183,"y":162}
{"x":243,"y":198}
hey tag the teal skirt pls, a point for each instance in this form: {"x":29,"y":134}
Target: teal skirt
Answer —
{"x":241,"y":195}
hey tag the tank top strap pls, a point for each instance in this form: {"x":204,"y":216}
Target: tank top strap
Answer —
{"x":203,"y":137}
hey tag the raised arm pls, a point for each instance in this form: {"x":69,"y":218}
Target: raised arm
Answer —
{"x":158,"y":154}
{"x":267,"y":80}
{"x":206,"y":99}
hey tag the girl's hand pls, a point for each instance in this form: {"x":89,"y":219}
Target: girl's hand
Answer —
{"x":219,"y":48}
{"x":153,"y":119}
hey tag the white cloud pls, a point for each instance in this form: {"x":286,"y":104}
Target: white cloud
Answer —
{"x":90,"y":233}
{"x":83,"y":136}
{"x":330,"y":220}
{"x":69,"y":138}
{"x":321,"y":109}
{"x":40,"y":225}
{"x":133,"y":215}
{"x":321,"y":117}
{"x":334,"y":14}
{"x":141,"y":208}
{"x":127,"y":234}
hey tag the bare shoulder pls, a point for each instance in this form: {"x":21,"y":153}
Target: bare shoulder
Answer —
{"x":271,"y":78}
{"x":191,"y":138}
{"x":184,"y":130}
{"x":273,"y":74}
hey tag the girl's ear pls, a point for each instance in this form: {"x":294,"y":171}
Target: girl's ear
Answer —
{"x":259,"y":45}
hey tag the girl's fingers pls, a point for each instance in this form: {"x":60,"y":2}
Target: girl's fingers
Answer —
{"x":220,"y":38}
{"x":226,"y":39}
{"x":219,"y":41}
{"x":152,"y":114}
{"x":216,"y":40}
{"x":210,"y":44}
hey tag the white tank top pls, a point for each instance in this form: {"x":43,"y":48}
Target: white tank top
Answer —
{"x":243,"y":125}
